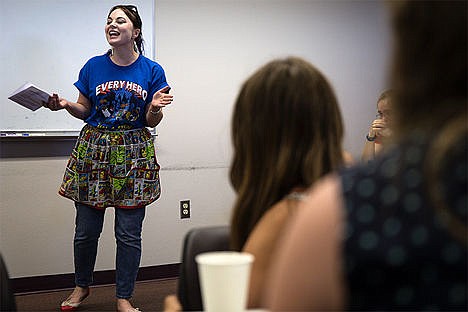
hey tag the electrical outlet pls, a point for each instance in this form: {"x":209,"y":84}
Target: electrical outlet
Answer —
{"x":185,"y":209}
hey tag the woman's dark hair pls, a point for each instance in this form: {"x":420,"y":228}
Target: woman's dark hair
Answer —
{"x":287,"y":132}
{"x":132,"y":12}
{"x":430,"y":63}
{"x":430,"y":81}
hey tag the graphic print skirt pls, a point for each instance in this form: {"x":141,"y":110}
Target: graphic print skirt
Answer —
{"x":112,"y":168}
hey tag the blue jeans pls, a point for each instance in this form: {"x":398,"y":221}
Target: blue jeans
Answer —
{"x":127,"y":229}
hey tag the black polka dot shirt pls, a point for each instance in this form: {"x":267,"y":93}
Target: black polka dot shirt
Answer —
{"x":399,"y":252}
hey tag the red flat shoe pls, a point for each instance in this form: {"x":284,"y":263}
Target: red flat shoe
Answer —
{"x":67,"y":305}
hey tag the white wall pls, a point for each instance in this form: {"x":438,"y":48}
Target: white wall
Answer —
{"x":208,"y":48}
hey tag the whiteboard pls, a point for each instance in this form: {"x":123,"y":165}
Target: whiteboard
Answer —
{"x":46,"y":42}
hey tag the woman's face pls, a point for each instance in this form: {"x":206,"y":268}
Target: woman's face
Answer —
{"x":119,"y":29}
{"x":384,"y":111}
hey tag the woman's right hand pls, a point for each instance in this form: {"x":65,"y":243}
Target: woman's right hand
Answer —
{"x":54,"y":103}
{"x":377,"y":128}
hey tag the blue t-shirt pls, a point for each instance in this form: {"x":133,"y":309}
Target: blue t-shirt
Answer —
{"x":119,"y":94}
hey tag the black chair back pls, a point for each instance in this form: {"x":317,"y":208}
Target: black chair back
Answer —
{"x":7,"y":299}
{"x":198,"y":240}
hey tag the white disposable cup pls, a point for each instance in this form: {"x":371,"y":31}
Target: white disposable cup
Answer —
{"x":224,"y":280}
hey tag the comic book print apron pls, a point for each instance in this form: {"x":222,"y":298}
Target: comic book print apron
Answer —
{"x":112,"y":168}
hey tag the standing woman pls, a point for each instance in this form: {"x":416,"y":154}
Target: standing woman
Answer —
{"x":113,"y":163}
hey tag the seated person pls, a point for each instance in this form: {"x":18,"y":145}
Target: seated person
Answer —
{"x":380,"y":130}
{"x":287,"y":132}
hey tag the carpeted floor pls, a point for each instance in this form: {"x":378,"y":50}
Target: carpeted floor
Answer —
{"x":148,"y":296}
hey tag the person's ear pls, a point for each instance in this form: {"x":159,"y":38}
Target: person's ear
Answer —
{"x":136,"y":33}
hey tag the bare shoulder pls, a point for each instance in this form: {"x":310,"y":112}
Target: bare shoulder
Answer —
{"x":266,"y":231}
{"x":277,"y":214}
{"x":261,"y":243}
{"x":321,"y":201}
{"x":308,"y":258}
{"x":321,"y":211}
{"x":325,"y":196}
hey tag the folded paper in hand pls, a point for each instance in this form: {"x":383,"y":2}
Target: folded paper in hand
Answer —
{"x":29,"y":96}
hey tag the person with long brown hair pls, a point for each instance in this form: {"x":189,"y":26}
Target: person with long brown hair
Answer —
{"x":287,"y":132}
{"x":392,"y":234}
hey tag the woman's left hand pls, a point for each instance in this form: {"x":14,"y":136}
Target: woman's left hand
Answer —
{"x":161,"y":99}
